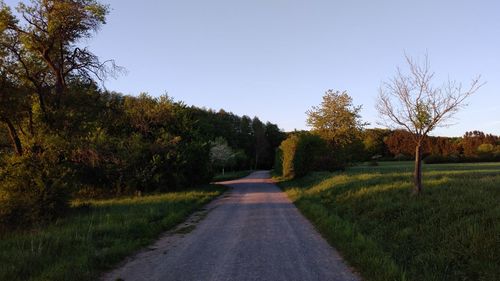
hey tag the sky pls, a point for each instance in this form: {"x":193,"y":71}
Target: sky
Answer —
{"x":275,"y":58}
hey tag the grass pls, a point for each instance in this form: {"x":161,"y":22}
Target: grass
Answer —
{"x":450,"y":232}
{"x":232,"y":175}
{"x":96,"y":235}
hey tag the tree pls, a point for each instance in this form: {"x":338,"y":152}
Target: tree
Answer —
{"x":410,"y":101}
{"x":12,"y":95}
{"x":45,"y":45}
{"x":274,"y":138}
{"x":373,"y":141}
{"x":338,"y":121}
{"x":261,"y":143}
{"x":220,"y":153}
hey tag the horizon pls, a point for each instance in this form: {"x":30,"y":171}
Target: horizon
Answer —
{"x":275,"y":59}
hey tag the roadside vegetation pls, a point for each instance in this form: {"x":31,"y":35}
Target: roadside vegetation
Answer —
{"x":64,"y":137}
{"x":449,"y":232}
{"x":96,"y":235}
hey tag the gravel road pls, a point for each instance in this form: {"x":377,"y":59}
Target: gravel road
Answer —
{"x":253,"y":232}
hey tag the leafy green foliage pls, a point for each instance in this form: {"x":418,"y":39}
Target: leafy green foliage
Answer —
{"x":63,"y":136}
{"x":287,"y":152}
{"x":302,"y":153}
{"x":336,"y":120}
{"x":33,"y":190}
{"x":311,"y":154}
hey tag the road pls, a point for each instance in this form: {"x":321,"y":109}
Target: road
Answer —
{"x":254,"y":232}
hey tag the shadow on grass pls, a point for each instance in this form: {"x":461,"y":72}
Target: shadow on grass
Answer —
{"x":96,"y":236}
{"x":447,"y":233}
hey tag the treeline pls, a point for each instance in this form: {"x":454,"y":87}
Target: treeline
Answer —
{"x":303,"y":152}
{"x":107,"y":144}
{"x":474,"y":146}
{"x":339,"y":138}
{"x":64,"y":137}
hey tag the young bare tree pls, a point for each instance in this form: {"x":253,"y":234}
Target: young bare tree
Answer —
{"x":410,"y":101}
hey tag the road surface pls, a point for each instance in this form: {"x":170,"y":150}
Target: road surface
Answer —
{"x":254,"y":232}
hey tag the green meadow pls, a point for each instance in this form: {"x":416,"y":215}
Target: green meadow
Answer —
{"x":95,"y":235}
{"x":449,"y":232}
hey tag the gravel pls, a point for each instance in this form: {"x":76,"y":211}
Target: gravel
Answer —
{"x":253,"y":232}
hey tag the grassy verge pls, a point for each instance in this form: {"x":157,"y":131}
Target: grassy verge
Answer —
{"x":450,"y":232}
{"x":95,"y":237}
{"x":232,"y":175}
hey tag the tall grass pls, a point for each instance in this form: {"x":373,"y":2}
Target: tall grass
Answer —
{"x":95,"y":236}
{"x":450,"y":232}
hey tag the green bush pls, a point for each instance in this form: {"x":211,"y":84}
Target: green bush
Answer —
{"x":32,"y":191}
{"x":453,"y":158}
{"x":288,"y":148}
{"x":437,"y":159}
{"x":302,"y":153}
{"x":278,"y":162}
{"x":311,"y":155}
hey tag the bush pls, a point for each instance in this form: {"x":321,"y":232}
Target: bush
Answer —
{"x":453,"y":158}
{"x":288,"y":148}
{"x":311,"y":155}
{"x":303,"y":153}
{"x":436,"y":159}
{"x":278,"y":162}
{"x":32,"y":191}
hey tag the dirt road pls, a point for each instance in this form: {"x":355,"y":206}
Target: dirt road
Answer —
{"x":252,"y":233}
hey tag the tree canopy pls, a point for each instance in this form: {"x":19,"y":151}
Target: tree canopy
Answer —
{"x":337,"y":120}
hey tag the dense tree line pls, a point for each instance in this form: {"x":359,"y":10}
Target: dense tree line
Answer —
{"x":62,"y":136}
{"x":473,"y":146}
{"x":338,"y":138}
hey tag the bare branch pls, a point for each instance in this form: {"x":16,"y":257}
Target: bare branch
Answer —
{"x":410,"y":101}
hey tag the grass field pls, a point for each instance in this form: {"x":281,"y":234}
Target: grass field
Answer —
{"x":97,"y":236}
{"x":232,"y":175}
{"x":450,"y":232}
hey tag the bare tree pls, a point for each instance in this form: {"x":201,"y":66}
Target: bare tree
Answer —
{"x":411,"y":102}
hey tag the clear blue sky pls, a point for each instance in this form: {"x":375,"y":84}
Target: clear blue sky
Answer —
{"x":275,"y":58}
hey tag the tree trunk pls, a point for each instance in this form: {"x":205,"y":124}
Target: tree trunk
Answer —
{"x":14,"y":137}
{"x":418,"y":169}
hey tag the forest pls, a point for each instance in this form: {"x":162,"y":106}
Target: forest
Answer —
{"x":63,"y":136}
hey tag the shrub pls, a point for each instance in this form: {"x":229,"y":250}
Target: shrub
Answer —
{"x":311,"y":155}
{"x":303,"y":153}
{"x":278,"y":162}
{"x":32,"y":190}
{"x":288,"y":148}
{"x":435,"y":159}
{"x":454,"y":158}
